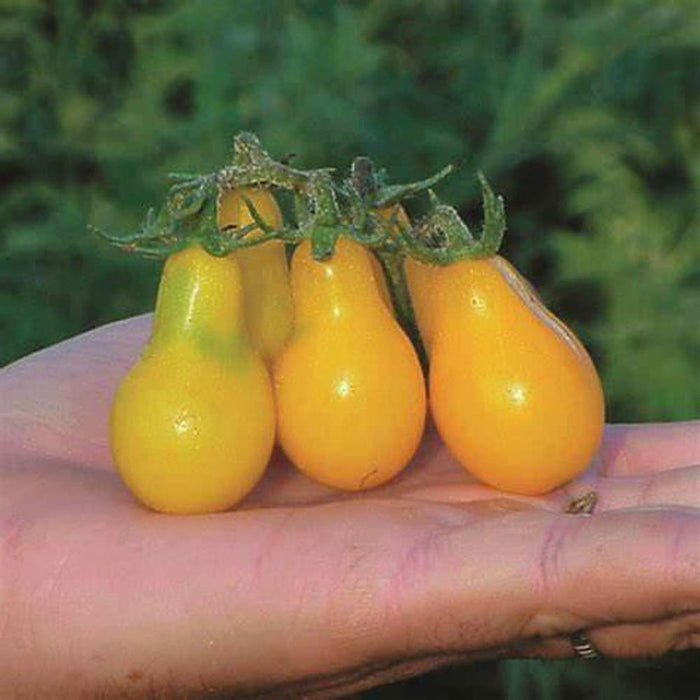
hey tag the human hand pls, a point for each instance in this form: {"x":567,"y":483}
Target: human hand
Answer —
{"x":303,"y":590}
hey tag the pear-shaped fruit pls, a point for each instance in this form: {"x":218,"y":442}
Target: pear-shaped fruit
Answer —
{"x":193,"y":424}
{"x":349,"y":389}
{"x":267,"y":297}
{"x":514,"y":394}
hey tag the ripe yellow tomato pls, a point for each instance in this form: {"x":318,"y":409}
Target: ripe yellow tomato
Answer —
{"x":349,"y":389}
{"x":513,"y":392}
{"x":192,"y":424}
{"x":266,"y":292}
{"x":419,"y":277}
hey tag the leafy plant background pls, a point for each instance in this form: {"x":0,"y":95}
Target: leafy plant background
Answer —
{"x":585,"y":114}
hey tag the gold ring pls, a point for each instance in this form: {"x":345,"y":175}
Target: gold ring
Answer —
{"x":582,"y":646}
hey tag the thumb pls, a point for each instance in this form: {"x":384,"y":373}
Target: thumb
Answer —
{"x":57,"y":401}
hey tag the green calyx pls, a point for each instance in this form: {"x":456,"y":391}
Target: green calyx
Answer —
{"x":324,"y":209}
{"x":442,"y":238}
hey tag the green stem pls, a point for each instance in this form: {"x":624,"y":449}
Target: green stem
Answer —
{"x":393,"y":194}
{"x":442,"y":238}
{"x":253,"y":165}
{"x":324,"y":227}
{"x":363,"y":178}
{"x":323,"y":240}
{"x":320,"y":189}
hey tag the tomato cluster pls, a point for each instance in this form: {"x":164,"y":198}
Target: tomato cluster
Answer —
{"x":324,"y":354}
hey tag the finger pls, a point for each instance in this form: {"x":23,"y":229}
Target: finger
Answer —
{"x":639,"y":451}
{"x":57,"y":401}
{"x":557,"y":573}
{"x":675,"y":487}
{"x":648,"y":448}
{"x":622,"y":566}
{"x":626,"y":641}
{"x":678,"y":633}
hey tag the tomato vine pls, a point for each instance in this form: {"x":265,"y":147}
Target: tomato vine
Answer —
{"x":324,"y":210}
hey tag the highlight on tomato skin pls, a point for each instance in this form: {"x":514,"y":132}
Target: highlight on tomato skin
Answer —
{"x":349,"y":389}
{"x":514,"y":395}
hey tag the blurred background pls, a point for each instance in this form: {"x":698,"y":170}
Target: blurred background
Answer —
{"x":584,"y":114}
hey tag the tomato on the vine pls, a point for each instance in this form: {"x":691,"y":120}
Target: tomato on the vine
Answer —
{"x":266,"y":294}
{"x":514,"y":394}
{"x":349,"y":389}
{"x":192,"y":424}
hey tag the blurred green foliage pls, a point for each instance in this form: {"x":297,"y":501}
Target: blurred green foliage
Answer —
{"x":585,"y":114}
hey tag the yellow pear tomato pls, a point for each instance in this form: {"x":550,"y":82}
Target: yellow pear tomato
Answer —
{"x":192,"y":424}
{"x":267,"y":297}
{"x":349,"y":389}
{"x":514,"y":394}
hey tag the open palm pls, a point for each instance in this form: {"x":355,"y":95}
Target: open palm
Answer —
{"x":305,"y":590}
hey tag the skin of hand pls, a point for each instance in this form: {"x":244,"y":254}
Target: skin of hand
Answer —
{"x":304,"y":591}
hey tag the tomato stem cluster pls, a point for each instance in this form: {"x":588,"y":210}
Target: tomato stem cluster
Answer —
{"x":442,"y":237}
{"x":324,"y":210}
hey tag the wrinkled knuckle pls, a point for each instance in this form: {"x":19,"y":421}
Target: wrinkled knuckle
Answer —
{"x":551,"y":575}
{"x":550,"y":565}
{"x":683,"y":560}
